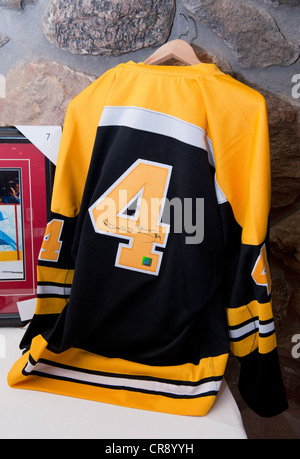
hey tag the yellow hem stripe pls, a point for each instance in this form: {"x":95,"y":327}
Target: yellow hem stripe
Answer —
{"x":151,"y":388}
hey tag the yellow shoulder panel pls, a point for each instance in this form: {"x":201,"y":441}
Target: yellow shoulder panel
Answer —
{"x":79,"y":132}
{"x":238,"y":129}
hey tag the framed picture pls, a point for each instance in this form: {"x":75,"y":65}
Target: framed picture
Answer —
{"x":25,"y":193}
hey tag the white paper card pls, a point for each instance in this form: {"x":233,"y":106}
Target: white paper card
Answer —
{"x":27,"y":308}
{"x":45,"y":138}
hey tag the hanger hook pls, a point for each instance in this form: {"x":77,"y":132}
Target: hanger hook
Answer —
{"x":188,"y":28}
{"x":196,"y":29}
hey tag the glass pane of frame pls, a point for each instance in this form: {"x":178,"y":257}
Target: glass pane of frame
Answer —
{"x":25,"y":193}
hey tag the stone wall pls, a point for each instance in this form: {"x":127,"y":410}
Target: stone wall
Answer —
{"x":51,"y":49}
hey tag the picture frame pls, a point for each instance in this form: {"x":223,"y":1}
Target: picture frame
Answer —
{"x":26,"y":178}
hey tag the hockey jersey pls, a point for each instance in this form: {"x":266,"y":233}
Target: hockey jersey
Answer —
{"x":154,"y":264}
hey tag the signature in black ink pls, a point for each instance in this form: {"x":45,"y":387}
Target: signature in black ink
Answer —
{"x":135,"y":229}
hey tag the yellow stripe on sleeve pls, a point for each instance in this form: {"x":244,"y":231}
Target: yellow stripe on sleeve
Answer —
{"x":250,"y":327}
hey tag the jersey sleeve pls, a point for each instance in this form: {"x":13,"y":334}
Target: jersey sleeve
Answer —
{"x":56,"y":260}
{"x":240,"y":143}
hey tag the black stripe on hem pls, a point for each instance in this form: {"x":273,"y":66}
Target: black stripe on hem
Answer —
{"x":130,"y":389}
{"x":54,"y":284}
{"x":175,"y":382}
{"x":52,"y":295}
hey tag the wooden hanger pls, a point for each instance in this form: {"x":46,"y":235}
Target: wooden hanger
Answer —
{"x":177,"y":49}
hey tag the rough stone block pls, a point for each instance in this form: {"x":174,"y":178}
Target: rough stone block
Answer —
{"x":247,"y":29}
{"x":108,"y":27}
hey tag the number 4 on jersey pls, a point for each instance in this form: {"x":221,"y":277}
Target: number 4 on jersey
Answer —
{"x":51,"y":245}
{"x":261,"y":271}
{"x":143,"y":183}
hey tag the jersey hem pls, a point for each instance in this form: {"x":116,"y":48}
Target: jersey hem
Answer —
{"x":185,"y":389}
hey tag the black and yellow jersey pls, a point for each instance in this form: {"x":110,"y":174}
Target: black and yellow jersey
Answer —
{"x":154,"y":264}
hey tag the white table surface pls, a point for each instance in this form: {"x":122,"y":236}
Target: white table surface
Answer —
{"x":38,"y":415}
